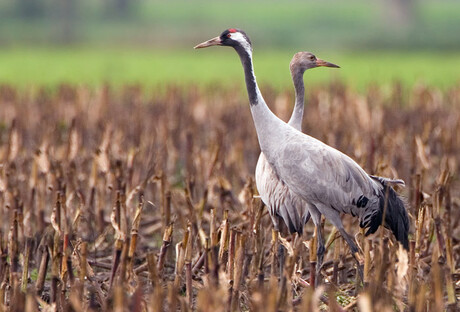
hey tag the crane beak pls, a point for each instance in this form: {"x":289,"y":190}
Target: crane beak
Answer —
{"x":320,"y":62}
{"x":209,"y":43}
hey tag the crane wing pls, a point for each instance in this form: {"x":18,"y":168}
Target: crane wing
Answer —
{"x":321,"y":174}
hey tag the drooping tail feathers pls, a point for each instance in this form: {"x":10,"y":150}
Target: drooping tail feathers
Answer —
{"x":392,"y":206}
{"x":387,"y":181}
{"x":293,"y":219}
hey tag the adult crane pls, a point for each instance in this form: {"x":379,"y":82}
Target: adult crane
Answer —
{"x":283,"y":205}
{"x":329,"y":181}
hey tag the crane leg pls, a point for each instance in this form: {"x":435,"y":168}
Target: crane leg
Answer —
{"x":281,"y":252}
{"x":334,"y":217}
{"x":354,"y":251}
{"x":316,"y":217}
{"x":321,"y":249}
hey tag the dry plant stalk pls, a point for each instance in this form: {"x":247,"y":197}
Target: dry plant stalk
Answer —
{"x":188,"y":268}
{"x":288,"y":270}
{"x":124,"y":261}
{"x":164,"y":247}
{"x":313,"y":250}
{"x":83,"y":261}
{"x":256,"y":228}
{"x":198,"y":264}
{"x":223,"y":246}
{"x":13,"y":247}
{"x":44,"y":247}
{"x":190,"y":206}
{"x":181,"y":256}
{"x":274,"y":250}
{"x":437,"y":291}
{"x":152,"y":267}
{"x":120,"y":237}
{"x":56,"y":256}
{"x":367,"y":259}
{"x":420,"y":222}
{"x":66,"y":267}
{"x":212,"y":228}
{"x":231,"y":261}
{"x":206,"y":259}
{"x":25,"y":270}
{"x":238,"y":271}
{"x":412,"y":271}
{"x":134,"y":234}
{"x":417,"y":194}
{"x":437,"y":222}
{"x":167,"y":202}
{"x":119,"y":302}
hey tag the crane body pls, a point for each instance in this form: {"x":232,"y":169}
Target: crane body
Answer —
{"x":284,"y":205}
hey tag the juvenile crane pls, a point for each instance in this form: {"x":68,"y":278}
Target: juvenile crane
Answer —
{"x":329,"y":181}
{"x":281,"y":202}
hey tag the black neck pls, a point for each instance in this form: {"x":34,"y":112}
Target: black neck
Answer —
{"x":250,"y":78}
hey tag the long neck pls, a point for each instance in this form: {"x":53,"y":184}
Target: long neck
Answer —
{"x":297,"y":114}
{"x":268,"y":126}
{"x":254,"y":94}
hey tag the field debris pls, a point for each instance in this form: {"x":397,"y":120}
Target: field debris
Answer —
{"x":127,"y":201}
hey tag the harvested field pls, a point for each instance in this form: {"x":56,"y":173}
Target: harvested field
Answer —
{"x":144,"y":200}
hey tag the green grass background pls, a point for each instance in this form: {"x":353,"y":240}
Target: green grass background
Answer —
{"x":152,"y":67}
{"x":45,"y":42}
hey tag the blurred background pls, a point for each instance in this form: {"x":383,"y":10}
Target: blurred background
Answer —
{"x":150,"y":42}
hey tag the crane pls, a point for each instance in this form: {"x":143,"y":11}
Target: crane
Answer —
{"x":329,"y":181}
{"x":283,"y":205}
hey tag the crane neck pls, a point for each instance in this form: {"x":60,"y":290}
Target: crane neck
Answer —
{"x":269,"y":128}
{"x":251,"y":85}
{"x":297,"y":114}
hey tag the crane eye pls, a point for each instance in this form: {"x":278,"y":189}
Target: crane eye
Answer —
{"x":229,"y":35}
{"x":312,"y":57}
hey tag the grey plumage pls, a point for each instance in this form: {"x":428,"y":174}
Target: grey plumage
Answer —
{"x":328,"y":180}
{"x":281,"y":202}
{"x":337,"y":184}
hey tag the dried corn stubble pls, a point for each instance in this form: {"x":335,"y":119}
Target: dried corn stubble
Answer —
{"x":191,"y":153}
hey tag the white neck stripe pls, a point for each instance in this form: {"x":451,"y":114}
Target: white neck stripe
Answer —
{"x":237,"y":36}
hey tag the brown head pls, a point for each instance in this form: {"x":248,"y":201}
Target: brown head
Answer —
{"x":301,"y":61}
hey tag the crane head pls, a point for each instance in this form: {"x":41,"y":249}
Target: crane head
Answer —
{"x":306,"y":60}
{"x":231,"y":37}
